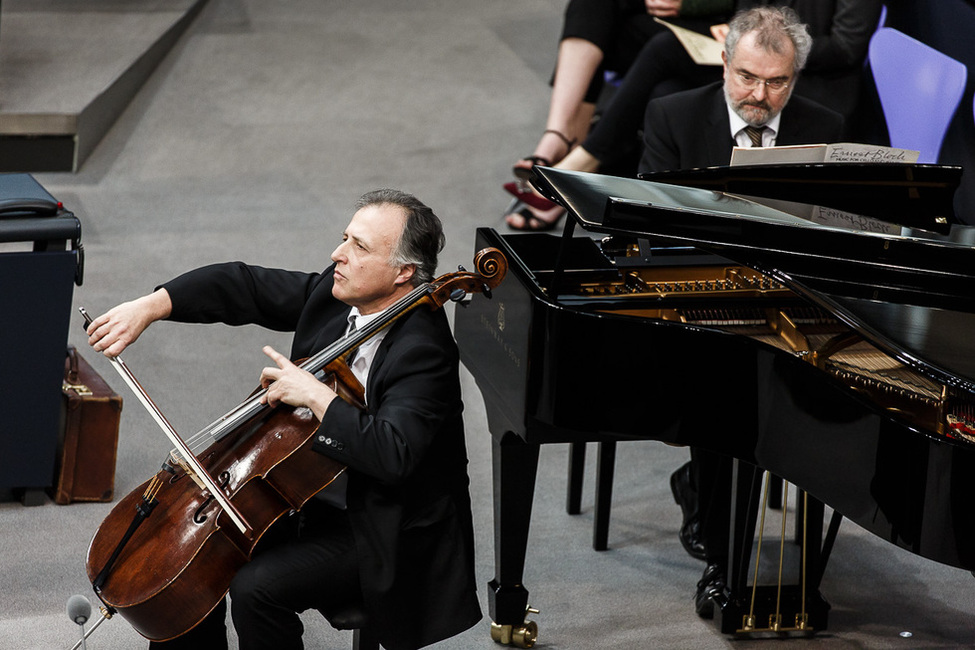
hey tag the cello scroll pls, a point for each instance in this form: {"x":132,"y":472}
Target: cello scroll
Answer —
{"x":490,"y":268}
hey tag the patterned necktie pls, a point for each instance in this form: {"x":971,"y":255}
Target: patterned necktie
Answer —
{"x":755,"y":134}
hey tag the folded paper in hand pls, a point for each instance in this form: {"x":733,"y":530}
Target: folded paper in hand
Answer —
{"x":704,"y":50}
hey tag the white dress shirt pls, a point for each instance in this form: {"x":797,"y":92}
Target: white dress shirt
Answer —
{"x":366,"y":352}
{"x":335,"y":492}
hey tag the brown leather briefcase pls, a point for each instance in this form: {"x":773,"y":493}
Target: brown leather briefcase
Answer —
{"x":85,"y":468}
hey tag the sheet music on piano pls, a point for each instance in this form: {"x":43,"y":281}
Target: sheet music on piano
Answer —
{"x":840,"y":152}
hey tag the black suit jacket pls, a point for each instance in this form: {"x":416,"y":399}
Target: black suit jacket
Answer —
{"x":691,"y":129}
{"x":408,"y":492}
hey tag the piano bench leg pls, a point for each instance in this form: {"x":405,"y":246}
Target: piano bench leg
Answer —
{"x":605,"y":467}
{"x":577,"y":467}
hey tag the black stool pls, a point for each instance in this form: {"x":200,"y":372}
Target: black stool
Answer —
{"x":354,"y":618}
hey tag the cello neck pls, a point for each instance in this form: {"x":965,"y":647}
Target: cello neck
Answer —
{"x":340,"y":349}
{"x":491,"y":267}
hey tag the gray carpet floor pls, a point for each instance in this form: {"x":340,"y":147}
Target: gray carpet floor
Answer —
{"x":251,"y":141}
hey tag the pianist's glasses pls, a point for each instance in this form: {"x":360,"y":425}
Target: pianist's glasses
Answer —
{"x":774,"y":86}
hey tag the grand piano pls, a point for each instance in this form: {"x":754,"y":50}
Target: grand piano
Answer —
{"x":836,"y":346}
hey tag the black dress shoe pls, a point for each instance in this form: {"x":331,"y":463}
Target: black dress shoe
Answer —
{"x":685,"y":495}
{"x":711,"y":591}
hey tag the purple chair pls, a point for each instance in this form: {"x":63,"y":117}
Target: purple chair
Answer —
{"x":919,"y":89}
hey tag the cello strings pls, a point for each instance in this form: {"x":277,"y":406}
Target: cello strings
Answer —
{"x":252,"y":406}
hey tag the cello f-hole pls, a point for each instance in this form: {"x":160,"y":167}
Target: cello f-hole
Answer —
{"x":198,"y":516}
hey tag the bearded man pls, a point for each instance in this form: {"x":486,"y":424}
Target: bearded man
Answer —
{"x":765,"y":50}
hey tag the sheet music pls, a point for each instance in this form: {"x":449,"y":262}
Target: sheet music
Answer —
{"x":704,"y":50}
{"x":841,"y":152}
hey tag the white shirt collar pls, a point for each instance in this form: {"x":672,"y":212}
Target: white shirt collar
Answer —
{"x":361,"y":320}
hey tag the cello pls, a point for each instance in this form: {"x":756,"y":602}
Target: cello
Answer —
{"x":165,"y":555}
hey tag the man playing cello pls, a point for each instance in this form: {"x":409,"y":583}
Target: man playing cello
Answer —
{"x":397,"y":539}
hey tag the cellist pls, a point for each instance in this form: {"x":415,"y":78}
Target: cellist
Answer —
{"x":396,"y":538}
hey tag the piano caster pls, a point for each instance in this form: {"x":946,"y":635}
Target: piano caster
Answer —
{"x":521,"y":636}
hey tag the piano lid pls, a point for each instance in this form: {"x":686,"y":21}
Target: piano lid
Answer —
{"x":913,"y":195}
{"x":912,"y":294}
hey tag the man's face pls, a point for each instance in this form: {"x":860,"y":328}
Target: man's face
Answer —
{"x":756,"y":105}
{"x":365,"y":276}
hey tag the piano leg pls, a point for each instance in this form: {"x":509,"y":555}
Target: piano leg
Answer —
{"x":787,"y":601}
{"x":515,"y":465}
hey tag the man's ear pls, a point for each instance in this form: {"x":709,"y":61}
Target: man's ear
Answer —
{"x":406,"y":273}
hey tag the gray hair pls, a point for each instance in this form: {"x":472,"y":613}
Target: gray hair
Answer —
{"x":422,"y":238}
{"x":772,"y":26}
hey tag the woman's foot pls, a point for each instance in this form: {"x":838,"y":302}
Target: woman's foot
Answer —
{"x":552,"y":148}
{"x":522,"y":216}
{"x":580,"y":160}
{"x":524,"y":193}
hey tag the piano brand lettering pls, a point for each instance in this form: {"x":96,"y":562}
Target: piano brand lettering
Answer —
{"x":496,"y":335}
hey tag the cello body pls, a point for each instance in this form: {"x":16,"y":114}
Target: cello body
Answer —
{"x":178,"y":565}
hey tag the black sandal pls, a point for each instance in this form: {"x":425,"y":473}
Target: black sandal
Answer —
{"x":532,"y":223}
{"x":525,"y":173}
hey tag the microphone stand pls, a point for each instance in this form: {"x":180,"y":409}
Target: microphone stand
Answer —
{"x":105,"y":615}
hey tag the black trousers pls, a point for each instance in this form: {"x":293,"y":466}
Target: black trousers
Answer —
{"x":712,"y":472}
{"x":310,"y":563}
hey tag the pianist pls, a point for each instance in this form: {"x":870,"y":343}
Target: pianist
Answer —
{"x":765,"y":50}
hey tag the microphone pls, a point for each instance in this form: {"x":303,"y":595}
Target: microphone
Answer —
{"x":79,"y":609}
